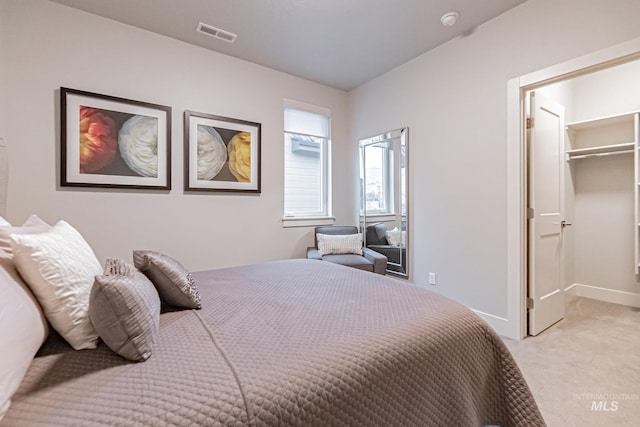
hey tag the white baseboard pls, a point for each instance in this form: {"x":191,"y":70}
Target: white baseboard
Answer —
{"x":603,"y":294}
{"x":501,"y":325}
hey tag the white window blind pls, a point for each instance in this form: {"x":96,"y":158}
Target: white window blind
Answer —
{"x":306,"y":162}
{"x":306,"y":123}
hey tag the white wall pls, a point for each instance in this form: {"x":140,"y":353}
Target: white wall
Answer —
{"x":3,"y":78}
{"x":604,"y":224}
{"x":608,"y":92}
{"x":3,"y":62}
{"x":49,"y":45}
{"x":454,"y":100}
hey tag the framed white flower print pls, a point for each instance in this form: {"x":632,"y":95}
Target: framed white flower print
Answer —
{"x":113,"y":142}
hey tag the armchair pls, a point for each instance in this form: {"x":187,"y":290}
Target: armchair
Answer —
{"x":368,"y":261}
{"x":376,"y":240}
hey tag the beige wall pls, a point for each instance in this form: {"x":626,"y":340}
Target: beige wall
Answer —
{"x":49,"y":45}
{"x":454,"y":100}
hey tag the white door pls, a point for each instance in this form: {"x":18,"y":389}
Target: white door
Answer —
{"x":546,"y":214}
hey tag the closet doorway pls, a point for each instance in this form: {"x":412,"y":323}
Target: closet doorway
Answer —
{"x":582,"y":191}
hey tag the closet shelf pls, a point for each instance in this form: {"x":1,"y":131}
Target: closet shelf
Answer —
{"x":603,"y":150}
{"x":600,"y":121}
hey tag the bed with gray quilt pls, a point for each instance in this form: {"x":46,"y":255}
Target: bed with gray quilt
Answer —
{"x":294,"y":342}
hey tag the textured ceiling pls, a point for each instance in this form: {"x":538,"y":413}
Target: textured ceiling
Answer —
{"x":339,"y":43}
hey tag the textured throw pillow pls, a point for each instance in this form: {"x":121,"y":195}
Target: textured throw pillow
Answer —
{"x":173,"y":282}
{"x":124,"y":308}
{"x":395,"y":237}
{"x":33,"y":225}
{"x":59,"y":267}
{"x":23,"y":328}
{"x":339,"y":244}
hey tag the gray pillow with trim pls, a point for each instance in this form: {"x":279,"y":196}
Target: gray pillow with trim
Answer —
{"x":124,"y":308}
{"x":173,"y":282}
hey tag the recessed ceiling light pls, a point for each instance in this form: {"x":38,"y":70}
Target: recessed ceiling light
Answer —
{"x":449,"y":19}
{"x":212,"y":31}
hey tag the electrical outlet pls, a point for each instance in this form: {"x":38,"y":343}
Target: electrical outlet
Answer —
{"x":432,"y":279}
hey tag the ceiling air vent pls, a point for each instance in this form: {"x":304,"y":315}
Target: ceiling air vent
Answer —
{"x":216,"y":32}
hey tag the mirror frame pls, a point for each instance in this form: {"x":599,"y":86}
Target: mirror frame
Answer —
{"x":402,"y":137}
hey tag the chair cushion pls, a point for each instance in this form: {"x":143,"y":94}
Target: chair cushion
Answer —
{"x":377,"y":234}
{"x":339,"y":244}
{"x":350,"y":260}
{"x":333,"y":230}
{"x":396,"y":237}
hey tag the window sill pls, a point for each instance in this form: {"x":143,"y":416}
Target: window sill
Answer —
{"x":307,"y":221}
{"x":386,"y":217}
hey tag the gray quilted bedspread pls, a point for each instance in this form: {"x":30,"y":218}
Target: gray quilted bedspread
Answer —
{"x":295,"y":342}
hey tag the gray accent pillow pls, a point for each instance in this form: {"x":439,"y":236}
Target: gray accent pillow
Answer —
{"x":173,"y":282}
{"x":124,"y":308}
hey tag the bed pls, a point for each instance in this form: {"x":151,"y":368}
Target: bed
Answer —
{"x":292,"y":342}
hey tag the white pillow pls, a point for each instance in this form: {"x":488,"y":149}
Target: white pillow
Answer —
{"x":59,"y":267}
{"x":329,"y":244}
{"x":395,"y":237}
{"x":32,"y":225}
{"x":23,"y":329}
{"x":4,"y":222}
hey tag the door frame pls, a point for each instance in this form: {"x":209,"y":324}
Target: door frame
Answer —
{"x":517,"y":161}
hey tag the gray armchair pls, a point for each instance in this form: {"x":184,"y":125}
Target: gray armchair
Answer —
{"x":376,"y":240}
{"x":368,"y":261}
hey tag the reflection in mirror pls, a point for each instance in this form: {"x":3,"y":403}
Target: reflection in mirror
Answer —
{"x":383,"y":197}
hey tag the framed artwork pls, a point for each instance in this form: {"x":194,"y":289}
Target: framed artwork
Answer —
{"x":114,"y":142}
{"x":221,"y":154}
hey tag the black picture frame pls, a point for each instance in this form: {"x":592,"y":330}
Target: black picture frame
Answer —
{"x":113,"y":142}
{"x":221,"y":154}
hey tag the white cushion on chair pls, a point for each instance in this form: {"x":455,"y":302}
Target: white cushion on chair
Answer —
{"x":339,"y":244}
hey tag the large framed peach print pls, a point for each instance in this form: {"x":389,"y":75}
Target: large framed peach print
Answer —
{"x":108,"y":141}
{"x":221,"y":153}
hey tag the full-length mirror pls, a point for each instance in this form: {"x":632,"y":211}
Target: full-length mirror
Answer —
{"x":384,"y":197}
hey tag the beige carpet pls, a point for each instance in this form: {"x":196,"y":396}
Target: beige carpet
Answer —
{"x":585,"y":370}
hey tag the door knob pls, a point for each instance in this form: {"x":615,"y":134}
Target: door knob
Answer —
{"x":564,"y":224}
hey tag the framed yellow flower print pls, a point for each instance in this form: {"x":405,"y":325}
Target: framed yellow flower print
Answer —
{"x":221,"y":153}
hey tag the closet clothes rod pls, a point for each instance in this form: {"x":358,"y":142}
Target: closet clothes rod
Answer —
{"x":610,"y":153}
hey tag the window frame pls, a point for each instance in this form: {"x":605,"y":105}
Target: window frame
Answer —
{"x":388,"y":182}
{"x":323,"y":217}
{"x":388,"y":179}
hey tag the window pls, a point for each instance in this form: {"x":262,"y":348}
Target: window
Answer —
{"x":376,"y":170}
{"x":306,"y":162}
